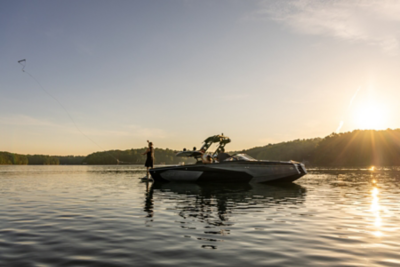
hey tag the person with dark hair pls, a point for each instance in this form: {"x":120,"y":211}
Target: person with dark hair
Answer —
{"x":222,"y":155}
{"x":149,"y":157}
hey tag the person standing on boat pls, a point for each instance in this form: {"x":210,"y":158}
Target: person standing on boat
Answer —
{"x":149,"y":157}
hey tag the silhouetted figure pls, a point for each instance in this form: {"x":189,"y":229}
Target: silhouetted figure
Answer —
{"x":149,"y":157}
{"x":222,"y":156}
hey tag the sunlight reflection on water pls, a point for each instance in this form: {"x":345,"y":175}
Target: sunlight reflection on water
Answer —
{"x":106,"y":215}
{"x":375,"y":209}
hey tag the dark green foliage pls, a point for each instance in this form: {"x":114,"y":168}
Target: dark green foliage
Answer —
{"x":43,"y":160}
{"x":70,"y":160}
{"x":298,"y":150}
{"x":134,"y":156}
{"x":7,"y":158}
{"x":356,"y":148}
{"x":359,"y":148}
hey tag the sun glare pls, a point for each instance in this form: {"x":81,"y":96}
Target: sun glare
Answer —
{"x":371,"y":117}
{"x":372,"y":169}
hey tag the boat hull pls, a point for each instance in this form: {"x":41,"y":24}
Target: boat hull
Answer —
{"x":239,"y":171}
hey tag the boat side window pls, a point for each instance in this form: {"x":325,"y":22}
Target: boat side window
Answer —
{"x":246,"y":157}
{"x":241,"y":157}
{"x":234,"y":158}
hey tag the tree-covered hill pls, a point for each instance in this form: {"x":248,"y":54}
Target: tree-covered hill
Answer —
{"x":356,"y":148}
{"x":298,"y":150}
{"x":359,"y":148}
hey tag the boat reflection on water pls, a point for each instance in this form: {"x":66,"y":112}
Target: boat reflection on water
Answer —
{"x":148,"y":204}
{"x":214,"y":204}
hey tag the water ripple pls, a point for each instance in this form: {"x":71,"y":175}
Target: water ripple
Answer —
{"x":107,"y":216}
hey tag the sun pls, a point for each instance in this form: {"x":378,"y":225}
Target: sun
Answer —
{"x":371,"y":116}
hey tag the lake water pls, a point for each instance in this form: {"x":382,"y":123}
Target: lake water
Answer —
{"x":108,"y":216}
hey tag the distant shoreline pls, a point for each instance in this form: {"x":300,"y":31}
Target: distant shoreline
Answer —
{"x":361,"y":148}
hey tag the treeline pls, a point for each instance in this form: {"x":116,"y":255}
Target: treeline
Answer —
{"x":70,"y":160}
{"x":7,"y":158}
{"x":359,"y":148}
{"x":299,"y":150}
{"x":130,"y":156}
{"x":356,"y":148}
{"x":133,"y":156}
{"x":42,"y":160}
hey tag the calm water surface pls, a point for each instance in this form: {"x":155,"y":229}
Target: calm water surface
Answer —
{"x":108,"y":216}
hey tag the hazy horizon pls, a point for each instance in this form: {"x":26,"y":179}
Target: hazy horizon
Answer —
{"x":175,"y":72}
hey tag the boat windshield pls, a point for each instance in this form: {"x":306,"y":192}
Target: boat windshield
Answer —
{"x":241,"y":157}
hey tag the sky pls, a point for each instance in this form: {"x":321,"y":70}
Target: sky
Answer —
{"x":102,"y":75}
